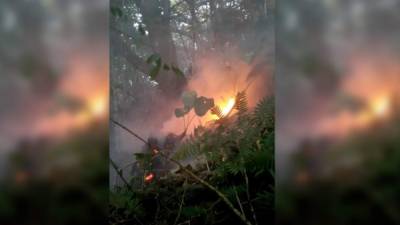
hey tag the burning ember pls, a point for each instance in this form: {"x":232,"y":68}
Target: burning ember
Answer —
{"x":149,"y":177}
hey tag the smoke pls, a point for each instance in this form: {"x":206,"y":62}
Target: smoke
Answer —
{"x":221,"y":77}
{"x":215,"y":76}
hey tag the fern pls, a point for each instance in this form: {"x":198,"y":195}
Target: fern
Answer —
{"x":188,"y":150}
{"x":264,"y":113}
{"x":234,"y":190}
{"x":241,"y":103}
{"x":127,"y":202}
{"x":216,"y":110}
{"x":235,"y":152}
{"x":265,"y":200}
{"x":193,"y":211}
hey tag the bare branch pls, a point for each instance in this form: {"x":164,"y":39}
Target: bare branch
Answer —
{"x":191,"y":174}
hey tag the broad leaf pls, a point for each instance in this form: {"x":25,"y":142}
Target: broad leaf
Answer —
{"x":177,"y":71}
{"x":202,"y":105}
{"x":117,"y":12}
{"x":179,"y":112}
{"x":142,"y":30}
{"x":152,"y":58}
{"x":188,"y":99}
{"x":166,"y":67}
{"x":156,"y":69}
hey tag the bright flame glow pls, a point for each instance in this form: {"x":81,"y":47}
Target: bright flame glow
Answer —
{"x":98,"y":106}
{"x":149,"y":177}
{"x":228,"y":107}
{"x":380,"y":106}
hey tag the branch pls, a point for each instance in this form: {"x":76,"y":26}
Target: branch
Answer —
{"x":205,"y":183}
{"x":238,"y":201}
{"x":129,"y":131}
{"x":180,"y":206}
{"x":194,"y":176}
{"x":119,"y":172}
{"x":248,"y":196}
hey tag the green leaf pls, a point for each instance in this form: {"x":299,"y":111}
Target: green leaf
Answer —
{"x":142,"y":30}
{"x":177,"y":71}
{"x":142,"y":156}
{"x":179,"y":112}
{"x":156,"y":69}
{"x":202,"y":105}
{"x":166,"y":67}
{"x":152,"y":58}
{"x":189,"y":211}
{"x":188,"y":99}
{"x":115,"y":11}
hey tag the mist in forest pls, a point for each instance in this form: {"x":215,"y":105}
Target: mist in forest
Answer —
{"x":216,"y":44}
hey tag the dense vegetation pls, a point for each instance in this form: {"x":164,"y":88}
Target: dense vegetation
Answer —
{"x":235,"y":156}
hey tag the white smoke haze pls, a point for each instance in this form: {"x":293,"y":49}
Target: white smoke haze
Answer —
{"x":221,"y":78}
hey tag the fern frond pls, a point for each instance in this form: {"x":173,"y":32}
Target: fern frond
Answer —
{"x":264,"y":113}
{"x":241,"y":102}
{"x":265,"y":200}
{"x":232,"y":191}
{"x":216,"y":110}
{"x":188,"y":150}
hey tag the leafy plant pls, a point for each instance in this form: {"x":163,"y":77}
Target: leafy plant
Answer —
{"x":201,"y":104}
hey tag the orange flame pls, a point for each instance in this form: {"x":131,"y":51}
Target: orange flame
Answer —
{"x":98,"y":106}
{"x":380,"y":106}
{"x":226,"y":109}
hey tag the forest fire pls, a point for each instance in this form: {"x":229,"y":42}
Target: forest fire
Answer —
{"x":220,"y":79}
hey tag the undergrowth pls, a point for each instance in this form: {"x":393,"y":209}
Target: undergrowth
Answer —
{"x":235,"y":155}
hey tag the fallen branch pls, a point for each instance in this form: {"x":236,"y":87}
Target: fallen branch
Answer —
{"x":248,"y":196}
{"x":180,"y":206}
{"x":119,"y":172}
{"x":238,"y":201}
